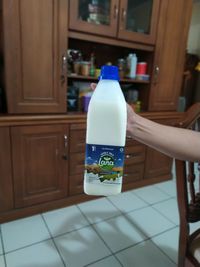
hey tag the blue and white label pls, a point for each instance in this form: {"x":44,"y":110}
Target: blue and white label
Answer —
{"x":104,"y":164}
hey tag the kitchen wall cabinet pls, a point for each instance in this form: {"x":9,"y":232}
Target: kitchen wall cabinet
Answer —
{"x":168,"y":64}
{"x":124,"y":19}
{"x":40,"y":163}
{"x":35,"y":44}
{"x":6,"y":186}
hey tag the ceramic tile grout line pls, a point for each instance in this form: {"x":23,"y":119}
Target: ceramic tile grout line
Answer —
{"x":105,"y":136}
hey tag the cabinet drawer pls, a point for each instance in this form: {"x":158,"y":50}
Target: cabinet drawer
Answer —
{"x":134,"y":154}
{"x":132,"y":142}
{"x":77,"y":163}
{"x":133,"y":173}
{"x":76,"y":184}
{"x":77,"y":141}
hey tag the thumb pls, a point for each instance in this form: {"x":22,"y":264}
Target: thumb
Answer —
{"x":93,"y":86}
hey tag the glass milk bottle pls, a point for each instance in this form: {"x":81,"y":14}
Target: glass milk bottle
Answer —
{"x":105,"y":137}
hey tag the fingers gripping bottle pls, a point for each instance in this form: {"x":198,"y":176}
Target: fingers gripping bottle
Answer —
{"x":105,"y":137}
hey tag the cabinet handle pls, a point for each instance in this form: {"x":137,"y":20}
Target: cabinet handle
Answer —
{"x":65,"y":140}
{"x":116,"y":11}
{"x":64,"y":156}
{"x":156,"y":73}
{"x":128,"y":156}
{"x":123,"y":18}
{"x":63,"y":72}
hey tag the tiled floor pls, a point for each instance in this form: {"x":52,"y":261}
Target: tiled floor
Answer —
{"x":138,"y":228}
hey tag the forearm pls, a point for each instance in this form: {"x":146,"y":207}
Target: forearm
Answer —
{"x":174,"y":142}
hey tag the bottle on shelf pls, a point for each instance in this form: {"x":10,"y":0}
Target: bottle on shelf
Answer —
{"x":105,"y":137}
{"x":92,"y":66}
{"x":131,"y":64}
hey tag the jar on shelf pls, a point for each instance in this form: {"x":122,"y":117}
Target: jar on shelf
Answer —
{"x":85,"y":68}
{"x":121,"y":65}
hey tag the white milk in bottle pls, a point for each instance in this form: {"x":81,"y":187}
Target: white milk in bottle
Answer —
{"x":105,"y":137}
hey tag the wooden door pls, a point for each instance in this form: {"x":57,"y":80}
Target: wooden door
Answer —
{"x":6,"y":186}
{"x":169,"y":54}
{"x":35,"y":44}
{"x":138,"y":20}
{"x":100,"y":18}
{"x":40,"y":165}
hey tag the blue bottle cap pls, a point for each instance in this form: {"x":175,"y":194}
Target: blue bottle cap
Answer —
{"x":109,"y":73}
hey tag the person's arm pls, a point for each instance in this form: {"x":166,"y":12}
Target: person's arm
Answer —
{"x":175,"y":142}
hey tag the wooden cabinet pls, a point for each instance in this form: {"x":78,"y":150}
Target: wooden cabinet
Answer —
{"x":169,"y":55}
{"x":135,"y":154}
{"x":162,"y":46}
{"x":40,"y":163}
{"x":158,"y":164}
{"x":35,"y":44}
{"x":125,"y":19}
{"x":6,"y":186}
{"x":77,"y":157}
{"x":138,"y":20}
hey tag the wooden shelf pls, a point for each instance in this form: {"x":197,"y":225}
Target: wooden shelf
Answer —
{"x":89,"y":78}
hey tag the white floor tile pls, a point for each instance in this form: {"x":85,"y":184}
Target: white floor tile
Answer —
{"x":168,"y":243}
{"x":64,"y":220}
{"x":194,"y":226}
{"x":39,"y":255}
{"x":81,"y":247}
{"x":2,"y":263}
{"x":98,"y":210}
{"x":151,"y":194}
{"x":1,"y":248}
{"x":149,"y":221}
{"x":127,"y":202}
{"x":119,"y":233}
{"x":169,"y":209}
{"x":168,"y":187}
{"x":23,"y":232}
{"x":145,"y":254}
{"x":108,"y":262}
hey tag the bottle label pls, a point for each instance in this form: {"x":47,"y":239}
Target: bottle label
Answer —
{"x":104,"y":164}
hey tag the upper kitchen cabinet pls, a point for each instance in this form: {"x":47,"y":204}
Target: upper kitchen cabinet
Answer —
{"x":94,"y":16}
{"x":138,"y":20}
{"x":130,"y":20}
{"x":169,"y":56}
{"x":35,"y":44}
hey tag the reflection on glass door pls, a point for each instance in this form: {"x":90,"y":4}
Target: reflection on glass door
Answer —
{"x":95,"y":11}
{"x":139,"y":14}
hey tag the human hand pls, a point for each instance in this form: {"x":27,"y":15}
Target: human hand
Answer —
{"x":130,"y":116}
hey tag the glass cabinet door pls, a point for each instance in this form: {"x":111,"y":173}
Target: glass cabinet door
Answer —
{"x":138,"y":20}
{"x":94,"y":11}
{"x":94,"y":16}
